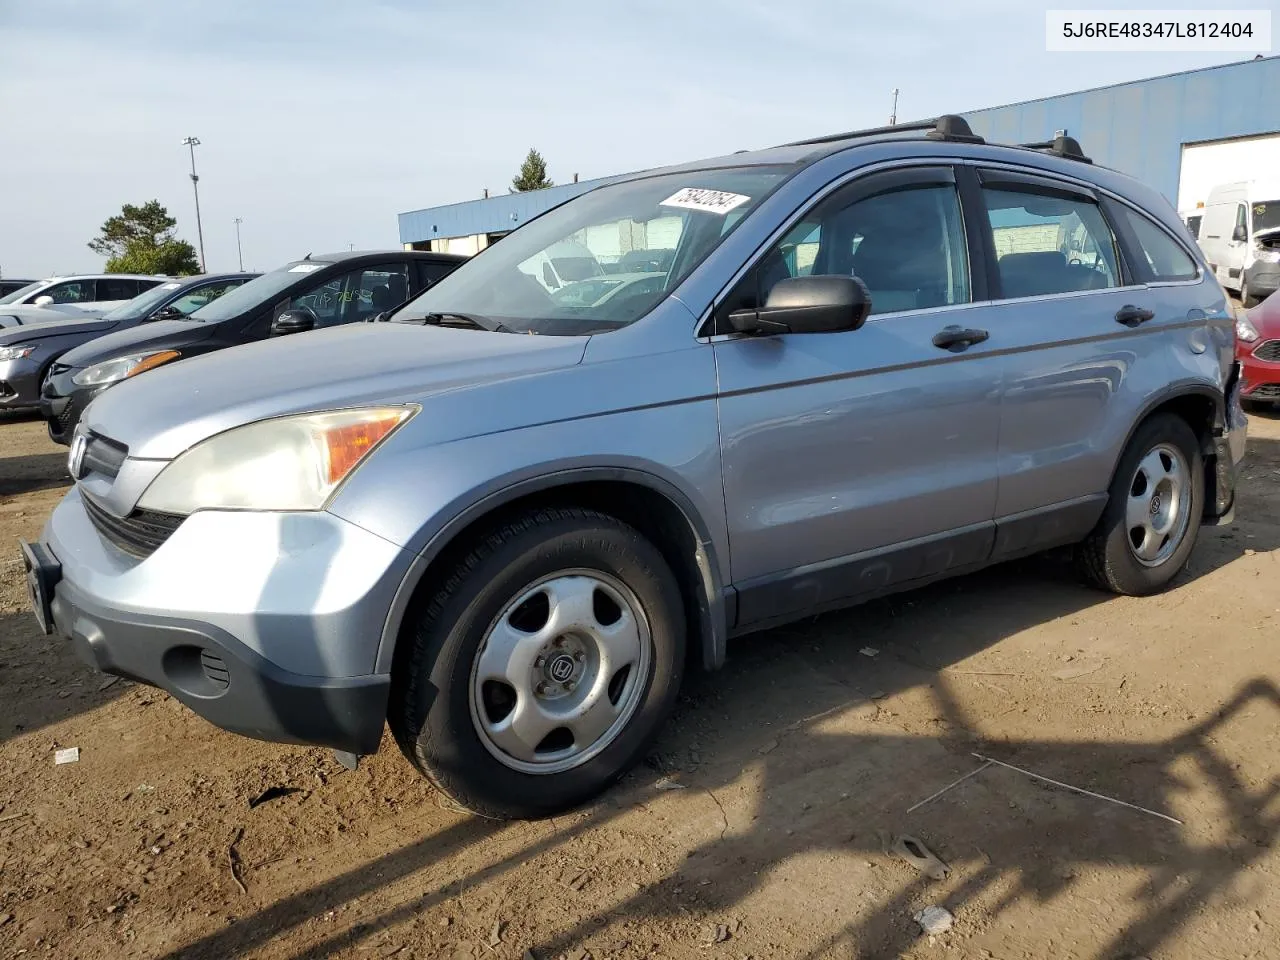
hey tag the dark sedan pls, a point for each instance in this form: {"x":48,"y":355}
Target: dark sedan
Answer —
{"x":27,"y":350}
{"x":320,"y":291}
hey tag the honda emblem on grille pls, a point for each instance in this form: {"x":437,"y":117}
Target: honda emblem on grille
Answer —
{"x":75,"y":459}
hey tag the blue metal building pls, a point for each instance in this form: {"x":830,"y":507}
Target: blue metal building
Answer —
{"x":1139,"y":127}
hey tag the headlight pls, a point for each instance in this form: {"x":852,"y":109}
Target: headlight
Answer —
{"x":1245,"y":330}
{"x":288,"y":463}
{"x":16,"y":352}
{"x":109,"y":371}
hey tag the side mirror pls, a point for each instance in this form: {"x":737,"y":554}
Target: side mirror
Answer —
{"x":299,"y":320}
{"x":167,"y":313}
{"x":1239,"y":233}
{"x":43,"y":301}
{"x":549,"y":278}
{"x":807,"y":305}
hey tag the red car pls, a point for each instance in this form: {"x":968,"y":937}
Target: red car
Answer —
{"x":1258,"y":349}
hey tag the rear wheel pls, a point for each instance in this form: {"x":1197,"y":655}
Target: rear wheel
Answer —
{"x":1152,"y":517}
{"x":542,"y":668}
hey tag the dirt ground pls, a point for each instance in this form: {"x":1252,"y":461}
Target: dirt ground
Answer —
{"x":758,"y":828}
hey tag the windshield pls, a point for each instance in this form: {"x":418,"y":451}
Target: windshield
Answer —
{"x":23,"y":291}
{"x":1266,"y":216}
{"x":256,"y":292}
{"x":520,"y":285}
{"x":142,"y":305}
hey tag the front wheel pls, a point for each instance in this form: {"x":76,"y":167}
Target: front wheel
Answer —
{"x":1149,"y":527}
{"x":543,"y":666}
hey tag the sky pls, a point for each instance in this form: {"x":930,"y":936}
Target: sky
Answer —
{"x":319,"y":121}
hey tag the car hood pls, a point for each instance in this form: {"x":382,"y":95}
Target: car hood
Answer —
{"x":165,"y":411}
{"x":1268,"y":232}
{"x":14,"y":316}
{"x":157,"y":335}
{"x":53,"y":328}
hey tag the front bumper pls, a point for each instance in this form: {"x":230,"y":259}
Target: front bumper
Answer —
{"x":1263,"y":278}
{"x":19,"y":384}
{"x":62,"y":404}
{"x":264,"y":624}
{"x":1261,"y":377}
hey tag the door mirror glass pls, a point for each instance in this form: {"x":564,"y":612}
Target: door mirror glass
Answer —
{"x":807,"y":305}
{"x":297,"y":320}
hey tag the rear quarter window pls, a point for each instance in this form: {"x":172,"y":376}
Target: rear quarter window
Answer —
{"x":1165,"y":257}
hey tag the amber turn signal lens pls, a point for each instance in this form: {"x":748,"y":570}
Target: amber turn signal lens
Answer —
{"x":155,"y":360}
{"x":347,"y":445}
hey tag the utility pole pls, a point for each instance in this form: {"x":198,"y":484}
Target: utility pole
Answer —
{"x":893,"y":114}
{"x":239,"y":254}
{"x":192,"y":143}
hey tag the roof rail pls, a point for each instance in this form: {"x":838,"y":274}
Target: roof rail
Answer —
{"x":946,"y":127}
{"x":1060,"y":146}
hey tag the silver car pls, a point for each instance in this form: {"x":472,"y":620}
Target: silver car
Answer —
{"x":508,"y":526}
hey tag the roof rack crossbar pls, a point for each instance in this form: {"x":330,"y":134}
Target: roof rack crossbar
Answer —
{"x":1063,"y":146}
{"x":946,"y":127}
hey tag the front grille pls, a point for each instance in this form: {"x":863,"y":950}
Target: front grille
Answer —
{"x":139,"y":534}
{"x":102,"y":455}
{"x":46,"y":388}
{"x":1269,"y":351}
{"x":1265,"y":391}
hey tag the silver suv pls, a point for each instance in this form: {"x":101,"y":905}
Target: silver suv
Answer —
{"x":508,"y":522}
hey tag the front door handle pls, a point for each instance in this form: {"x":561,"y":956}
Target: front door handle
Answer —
{"x":956,"y":338}
{"x":1132,"y":316}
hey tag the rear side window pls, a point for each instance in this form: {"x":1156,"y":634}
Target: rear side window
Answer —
{"x":1167,"y":260}
{"x":1047,"y":243}
{"x":117,"y":288}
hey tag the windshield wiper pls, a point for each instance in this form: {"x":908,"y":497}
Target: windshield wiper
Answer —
{"x":452,"y":317}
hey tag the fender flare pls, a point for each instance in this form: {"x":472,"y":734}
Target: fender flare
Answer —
{"x":713,"y":610}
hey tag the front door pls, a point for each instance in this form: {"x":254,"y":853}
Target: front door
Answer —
{"x":861,"y":459}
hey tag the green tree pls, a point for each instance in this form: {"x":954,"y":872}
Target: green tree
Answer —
{"x":533,"y":174}
{"x":141,"y":240}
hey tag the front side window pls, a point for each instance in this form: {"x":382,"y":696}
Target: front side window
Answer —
{"x":69,"y":291}
{"x":907,"y":245}
{"x":525,"y":283}
{"x":1166,"y":260}
{"x":356,"y":295}
{"x":1047,"y":243}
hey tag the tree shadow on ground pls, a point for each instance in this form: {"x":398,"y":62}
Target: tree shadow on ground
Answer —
{"x":772,"y":695}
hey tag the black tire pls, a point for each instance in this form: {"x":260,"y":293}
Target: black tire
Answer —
{"x":1106,"y":558}
{"x":430,"y":705}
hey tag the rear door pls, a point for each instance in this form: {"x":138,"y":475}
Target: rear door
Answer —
{"x":1088,"y":345}
{"x":860,"y":459}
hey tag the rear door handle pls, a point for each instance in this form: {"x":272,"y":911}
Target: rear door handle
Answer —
{"x":956,"y":338}
{"x":1132,"y":316}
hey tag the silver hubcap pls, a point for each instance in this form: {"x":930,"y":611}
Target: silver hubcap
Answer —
{"x":560,"y":672}
{"x":1158,"y":508}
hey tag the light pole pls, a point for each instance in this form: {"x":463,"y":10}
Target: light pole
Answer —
{"x":239,"y":255}
{"x":893,"y":114}
{"x":192,"y":143}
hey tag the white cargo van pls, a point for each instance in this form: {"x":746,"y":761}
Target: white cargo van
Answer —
{"x":1240,"y":237}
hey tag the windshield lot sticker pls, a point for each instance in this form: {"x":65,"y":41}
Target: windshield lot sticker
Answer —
{"x":708,"y":201}
{"x":304,"y":268}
